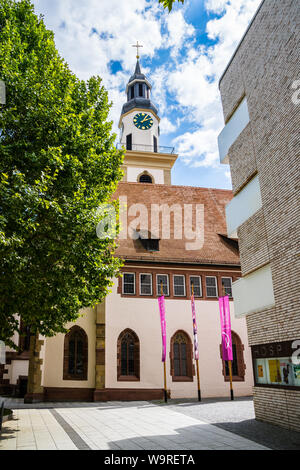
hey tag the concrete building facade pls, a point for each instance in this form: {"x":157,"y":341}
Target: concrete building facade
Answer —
{"x":260,"y":141}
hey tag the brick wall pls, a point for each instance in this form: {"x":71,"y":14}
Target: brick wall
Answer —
{"x":280,"y":407}
{"x":264,"y":68}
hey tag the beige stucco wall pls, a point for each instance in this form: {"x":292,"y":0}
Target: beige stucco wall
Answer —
{"x":142,"y":316}
{"x":54,"y":354}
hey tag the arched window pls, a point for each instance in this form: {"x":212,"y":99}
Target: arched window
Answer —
{"x":128,"y":356}
{"x":181,"y":355}
{"x":238,"y":365}
{"x":75,"y":354}
{"x":145,"y":178}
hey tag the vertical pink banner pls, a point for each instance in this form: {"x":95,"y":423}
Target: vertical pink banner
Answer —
{"x":162,"y":311}
{"x":225,"y":328}
{"x":195,"y":328}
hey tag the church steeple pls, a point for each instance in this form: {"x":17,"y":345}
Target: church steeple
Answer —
{"x":145,"y":161}
{"x":138,"y":91}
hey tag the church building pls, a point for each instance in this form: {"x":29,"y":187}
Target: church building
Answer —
{"x":173,"y":240}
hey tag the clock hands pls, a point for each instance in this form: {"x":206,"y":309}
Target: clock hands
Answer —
{"x":147,"y":118}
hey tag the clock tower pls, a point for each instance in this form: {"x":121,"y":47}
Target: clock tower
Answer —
{"x":145,"y":161}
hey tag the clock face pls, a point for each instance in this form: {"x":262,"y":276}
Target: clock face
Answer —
{"x":143,"y":121}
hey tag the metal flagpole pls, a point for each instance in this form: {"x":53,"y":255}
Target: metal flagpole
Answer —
{"x":229,"y":364}
{"x":230,"y":376}
{"x":197,"y":360}
{"x":165,"y":373}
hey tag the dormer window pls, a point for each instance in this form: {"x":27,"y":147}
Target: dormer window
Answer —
{"x":148,"y":241}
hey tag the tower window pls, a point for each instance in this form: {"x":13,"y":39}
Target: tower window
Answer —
{"x":140,"y":89}
{"x":155,"y":144}
{"x":132,"y":92}
{"x":145,"y":178}
{"x":129,"y":142}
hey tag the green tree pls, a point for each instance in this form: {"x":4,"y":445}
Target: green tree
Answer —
{"x":58,"y":163}
{"x":169,"y":3}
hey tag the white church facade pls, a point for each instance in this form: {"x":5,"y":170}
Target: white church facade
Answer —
{"x":172,"y":237}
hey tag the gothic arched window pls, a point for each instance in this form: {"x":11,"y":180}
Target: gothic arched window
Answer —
{"x":75,"y":354}
{"x":238,"y":365}
{"x":181,"y":355}
{"x":128,"y":356}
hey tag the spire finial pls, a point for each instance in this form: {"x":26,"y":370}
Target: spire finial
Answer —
{"x":137,"y":45}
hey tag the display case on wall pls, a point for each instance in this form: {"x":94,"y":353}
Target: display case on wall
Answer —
{"x":277,"y":364}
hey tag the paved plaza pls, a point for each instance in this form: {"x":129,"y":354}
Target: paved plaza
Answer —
{"x":178,"y":425}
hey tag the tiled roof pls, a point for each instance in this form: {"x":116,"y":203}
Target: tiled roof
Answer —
{"x":216,"y":249}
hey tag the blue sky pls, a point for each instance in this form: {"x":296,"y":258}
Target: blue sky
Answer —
{"x":184,"y":54}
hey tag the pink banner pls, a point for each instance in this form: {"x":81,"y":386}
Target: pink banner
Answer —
{"x":195,"y":328}
{"x":162,"y":311}
{"x":225,"y":328}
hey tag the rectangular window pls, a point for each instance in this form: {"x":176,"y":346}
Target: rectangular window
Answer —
{"x":227,"y":283}
{"x":211,"y":286}
{"x":162,"y":280}
{"x":179,"y":285}
{"x":154,"y":144}
{"x":129,"y":283}
{"x":132,"y":92}
{"x":129,"y":142}
{"x":140,"y":89}
{"x":145,"y":284}
{"x":196,"y":281}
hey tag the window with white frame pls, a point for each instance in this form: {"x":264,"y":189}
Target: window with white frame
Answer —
{"x":162,"y":280}
{"x":145,"y":284}
{"x":211,"y":286}
{"x":227,"y":283}
{"x":195,"y":281}
{"x":129,"y":283}
{"x":179,"y":285}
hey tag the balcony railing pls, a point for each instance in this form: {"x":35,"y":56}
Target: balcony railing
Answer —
{"x":147,"y":148}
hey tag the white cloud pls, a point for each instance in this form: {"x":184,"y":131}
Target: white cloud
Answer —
{"x":195,"y":81}
{"x":178,"y":31}
{"x":92,"y":33}
{"x":166,"y":126}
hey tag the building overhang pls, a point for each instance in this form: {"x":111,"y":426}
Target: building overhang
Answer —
{"x":149,"y":159}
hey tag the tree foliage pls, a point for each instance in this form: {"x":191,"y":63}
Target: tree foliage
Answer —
{"x":169,"y":3}
{"x":58,"y":163}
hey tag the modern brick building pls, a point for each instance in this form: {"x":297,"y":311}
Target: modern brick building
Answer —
{"x":260,"y":141}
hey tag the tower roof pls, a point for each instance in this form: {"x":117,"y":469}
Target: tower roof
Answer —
{"x":138,"y":75}
{"x":138,"y":101}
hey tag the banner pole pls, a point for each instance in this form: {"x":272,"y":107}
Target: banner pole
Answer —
{"x":197,"y":362}
{"x":165,"y":373}
{"x":230,"y":376}
{"x":229,"y":364}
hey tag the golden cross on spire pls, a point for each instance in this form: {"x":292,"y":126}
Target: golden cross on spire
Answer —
{"x":137,"y":45}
